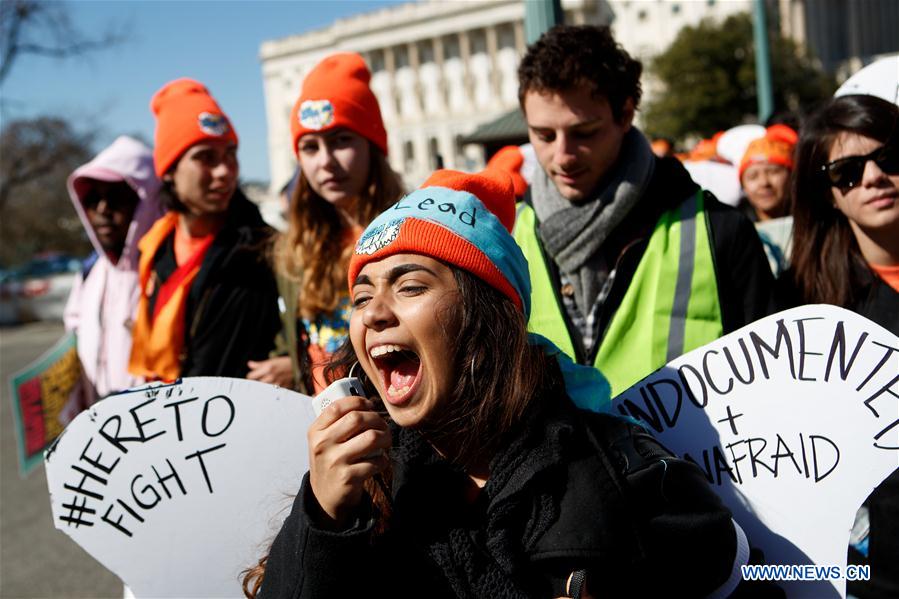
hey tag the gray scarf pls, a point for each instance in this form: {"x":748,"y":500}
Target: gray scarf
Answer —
{"x":572,"y":234}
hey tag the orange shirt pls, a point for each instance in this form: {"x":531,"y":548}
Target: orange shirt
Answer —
{"x":186,"y":245}
{"x":890,"y":274}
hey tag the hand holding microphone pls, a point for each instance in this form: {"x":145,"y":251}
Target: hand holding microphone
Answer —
{"x":347,"y":444}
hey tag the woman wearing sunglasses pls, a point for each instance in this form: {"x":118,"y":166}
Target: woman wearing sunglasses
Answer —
{"x":846,"y":252}
{"x":846,"y":210}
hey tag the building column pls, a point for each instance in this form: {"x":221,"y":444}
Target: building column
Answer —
{"x":520,"y":45}
{"x":390,"y":61}
{"x":492,"y":47}
{"x":439,"y":55}
{"x":414,"y":63}
{"x":465,"y":55}
{"x":390,"y":67}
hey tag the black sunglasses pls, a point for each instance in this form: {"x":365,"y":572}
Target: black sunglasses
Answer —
{"x":847,"y":172}
{"x":118,"y":196}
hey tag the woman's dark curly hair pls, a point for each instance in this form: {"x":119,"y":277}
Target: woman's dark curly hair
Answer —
{"x":568,"y":56}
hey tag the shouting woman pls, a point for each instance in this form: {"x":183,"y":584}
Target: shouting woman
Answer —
{"x":470,"y":471}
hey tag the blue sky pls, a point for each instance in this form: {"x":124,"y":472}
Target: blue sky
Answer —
{"x":214,"y":41}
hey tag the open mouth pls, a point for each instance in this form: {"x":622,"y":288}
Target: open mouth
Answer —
{"x":400,"y":370}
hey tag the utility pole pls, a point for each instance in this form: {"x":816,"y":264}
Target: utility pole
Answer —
{"x":763,"y":87}
{"x":539,"y":16}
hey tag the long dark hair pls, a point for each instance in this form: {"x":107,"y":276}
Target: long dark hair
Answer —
{"x":826,"y":259}
{"x":499,"y":375}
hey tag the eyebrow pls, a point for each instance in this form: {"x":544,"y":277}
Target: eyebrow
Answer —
{"x":578,"y":125}
{"x":395,"y":273}
{"x":334,"y":132}
{"x":330,"y":134}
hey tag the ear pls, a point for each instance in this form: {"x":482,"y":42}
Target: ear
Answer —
{"x":627,"y":114}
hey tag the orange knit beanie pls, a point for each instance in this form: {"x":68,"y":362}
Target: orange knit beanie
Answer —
{"x":462,"y":219}
{"x":186,"y":114}
{"x":510,"y":160}
{"x":336,"y":94}
{"x":776,"y":147}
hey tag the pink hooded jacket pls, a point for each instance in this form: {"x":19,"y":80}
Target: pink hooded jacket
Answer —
{"x":102,"y":306}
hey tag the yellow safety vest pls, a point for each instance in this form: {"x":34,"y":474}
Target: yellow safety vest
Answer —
{"x":670,"y":307}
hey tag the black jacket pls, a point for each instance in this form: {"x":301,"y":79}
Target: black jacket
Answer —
{"x":572,"y":490}
{"x":745,"y":282}
{"x":874,"y":299}
{"x":232,"y":307}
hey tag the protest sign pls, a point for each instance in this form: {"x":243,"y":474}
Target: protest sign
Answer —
{"x":794,"y":419}
{"x":39,"y":393}
{"x":177,"y":488}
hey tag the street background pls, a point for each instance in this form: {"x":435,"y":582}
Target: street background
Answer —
{"x":36,"y":560}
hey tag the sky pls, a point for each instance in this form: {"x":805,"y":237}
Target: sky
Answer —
{"x":213,"y":41}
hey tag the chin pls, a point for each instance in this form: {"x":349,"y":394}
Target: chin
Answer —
{"x":338,"y":200}
{"x":574,"y":195}
{"x":404,"y":417}
{"x":412,"y":412}
{"x":217,"y":207}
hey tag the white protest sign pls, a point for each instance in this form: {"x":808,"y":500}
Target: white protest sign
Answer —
{"x":177,"y":488}
{"x":794,"y":419}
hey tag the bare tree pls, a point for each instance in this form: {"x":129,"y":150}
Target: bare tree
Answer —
{"x":43,"y":28}
{"x":37,"y":214}
{"x":39,"y":153}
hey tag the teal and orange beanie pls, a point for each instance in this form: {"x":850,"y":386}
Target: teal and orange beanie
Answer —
{"x":461,"y":219}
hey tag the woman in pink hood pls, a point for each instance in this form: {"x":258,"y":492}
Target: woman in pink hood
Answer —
{"x":115,"y":196}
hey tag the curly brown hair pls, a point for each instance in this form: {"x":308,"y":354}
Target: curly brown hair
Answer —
{"x":568,"y":56}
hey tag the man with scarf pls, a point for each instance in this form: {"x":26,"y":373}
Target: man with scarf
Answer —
{"x":632,"y":264}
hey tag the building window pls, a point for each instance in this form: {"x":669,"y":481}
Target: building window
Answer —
{"x":434,"y":154}
{"x":376,"y":60}
{"x":675,"y":9}
{"x":478,"y":41}
{"x":641,"y":16}
{"x":451,"y":47}
{"x":425,"y":52}
{"x":462,"y":161}
{"x":402,"y":57}
{"x":505,"y":35}
{"x":408,"y":156}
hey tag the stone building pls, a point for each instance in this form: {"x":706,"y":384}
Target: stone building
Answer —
{"x":441,"y":68}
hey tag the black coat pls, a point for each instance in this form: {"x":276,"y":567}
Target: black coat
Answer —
{"x":745,"y":282}
{"x":571,"y":491}
{"x":874,"y":299}
{"x":232,"y":308}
